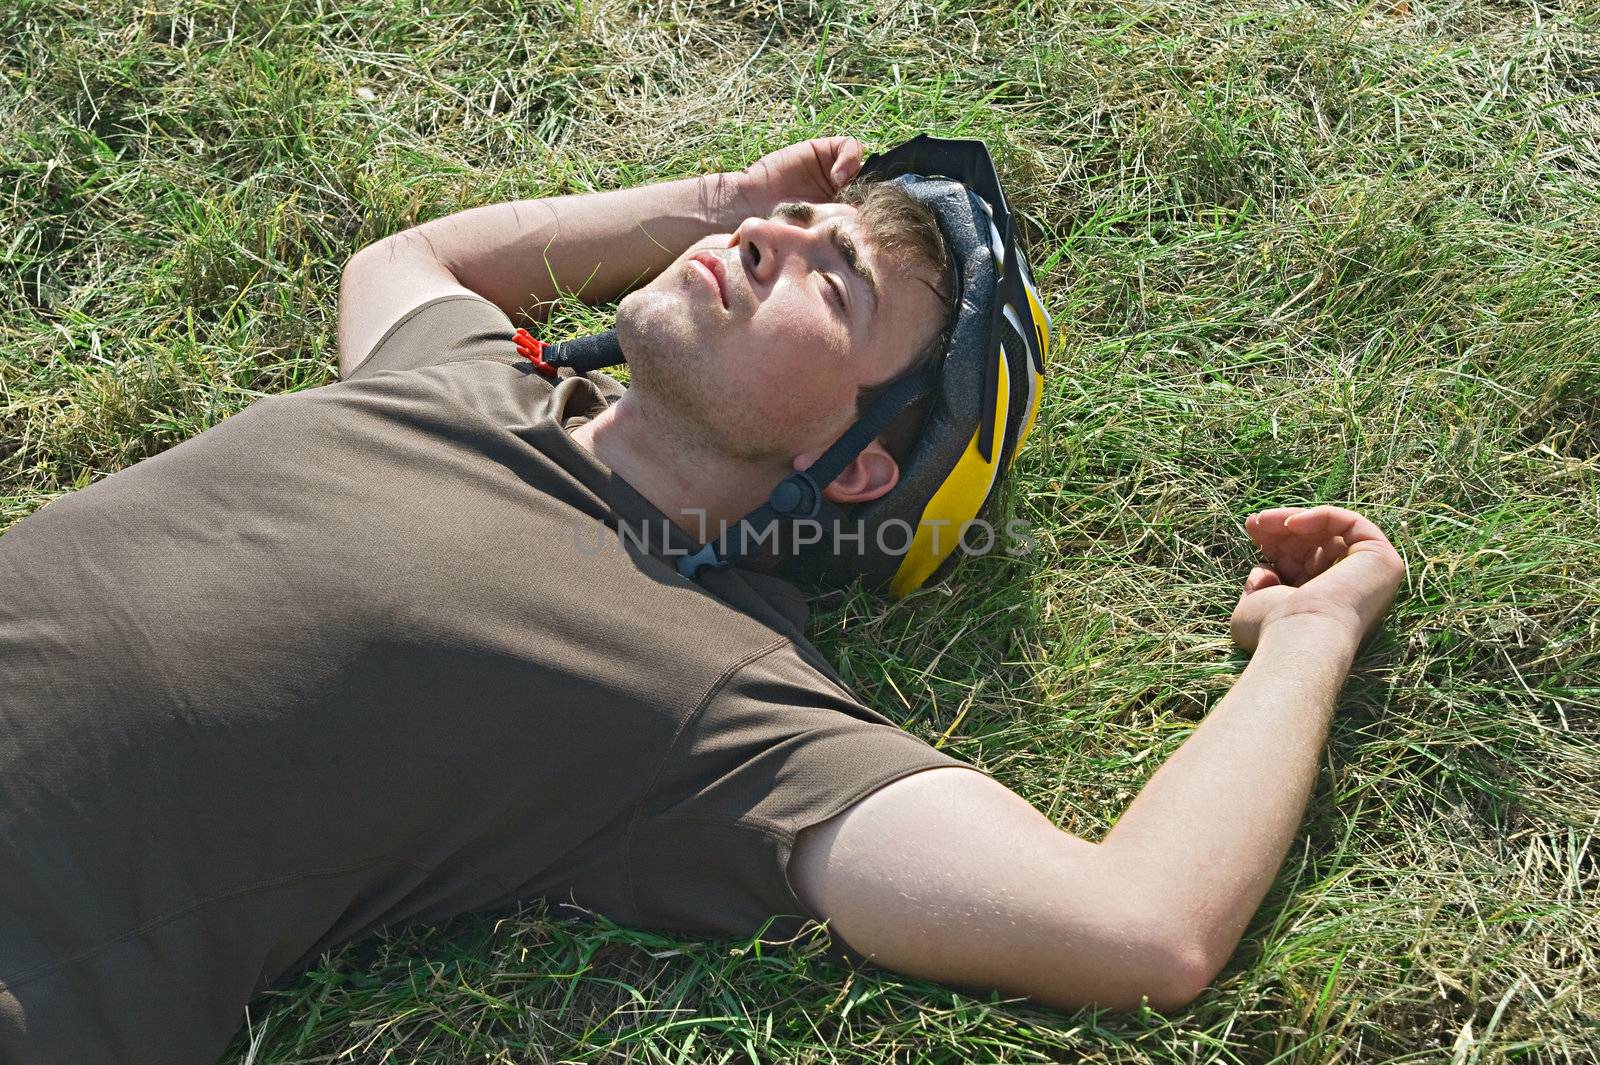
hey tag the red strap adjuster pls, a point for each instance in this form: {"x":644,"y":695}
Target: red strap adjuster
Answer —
{"x":533,"y":350}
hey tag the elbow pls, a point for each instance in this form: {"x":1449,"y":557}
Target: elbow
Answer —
{"x":364,"y":260}
{"x":1184,"y":947}
{"x":1166,"y":970}
{"x":364,"y":306}
{"x":349,"y":283}
{"x":1184,"y":973}
{"x":1165,"y":974}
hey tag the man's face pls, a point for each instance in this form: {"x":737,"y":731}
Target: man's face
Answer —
{"x":758,"y":341}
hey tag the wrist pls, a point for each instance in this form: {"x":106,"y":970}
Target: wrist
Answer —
{"x":727,"y":200}
{"x":1315,"y":633}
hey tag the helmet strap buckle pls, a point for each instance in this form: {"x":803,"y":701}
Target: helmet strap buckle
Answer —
{"x":796,"y":496}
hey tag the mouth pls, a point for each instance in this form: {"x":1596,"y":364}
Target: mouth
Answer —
{"x":718,"y":272}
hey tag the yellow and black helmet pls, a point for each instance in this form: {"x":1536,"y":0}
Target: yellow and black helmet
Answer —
{"x":985,"y":390}
{"x":984,"y":396}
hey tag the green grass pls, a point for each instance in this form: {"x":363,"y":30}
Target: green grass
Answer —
{"x":1297,"y":252}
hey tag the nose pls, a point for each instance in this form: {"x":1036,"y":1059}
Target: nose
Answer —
{"x":767,"y":245}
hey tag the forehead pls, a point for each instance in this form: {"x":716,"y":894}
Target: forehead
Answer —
{"x":909,"y":306}
{"x":829,"y":215}
{"x":827,"y":211}
{"x":892,"y":270}
{"x":849,"y":221}
{"x":910,"y":312}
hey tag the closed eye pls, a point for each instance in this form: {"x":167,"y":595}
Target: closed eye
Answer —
{"x":838,"y":289}
{"x":802,"y":214}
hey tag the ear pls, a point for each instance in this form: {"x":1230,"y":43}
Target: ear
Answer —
{"x":872,"y":474}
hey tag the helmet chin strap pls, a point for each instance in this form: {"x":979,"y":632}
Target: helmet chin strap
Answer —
{"x":586,"y":353}
{"x":799,"y":495}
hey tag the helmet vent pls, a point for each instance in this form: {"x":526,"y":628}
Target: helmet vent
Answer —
{"x":998,"y":247}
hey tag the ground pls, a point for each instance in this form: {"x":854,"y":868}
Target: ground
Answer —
{"x":1296,"y":253}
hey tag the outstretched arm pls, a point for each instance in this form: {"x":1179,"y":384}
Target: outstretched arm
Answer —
{"x":948,"y":876}
{"x":1216,"y":819}
{"x":522,"y":255}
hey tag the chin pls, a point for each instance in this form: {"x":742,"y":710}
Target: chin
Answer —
{"x":664,"y":356}
{"x":652,"y":330}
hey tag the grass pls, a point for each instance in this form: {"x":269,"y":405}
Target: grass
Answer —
{"x":1297,"y":252}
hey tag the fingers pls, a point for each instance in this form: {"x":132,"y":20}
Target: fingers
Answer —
{"x":1325,"y":555}
{"x":1326,"y":521}
{"x":1317,"y":522}
{"x":847,"y":160}
{"x":1288,"y":553}
{"x":1324,"y":560}
{"x":1261,"y":592}
{"x":1272,"y":518}
{"x":1303,"y":543}
{"x":1260,"y":577}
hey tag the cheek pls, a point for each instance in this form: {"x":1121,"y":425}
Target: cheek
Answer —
{"x":798,"y":340}
{"x":800,"y":370}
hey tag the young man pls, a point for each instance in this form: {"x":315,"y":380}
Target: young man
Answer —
{"x":351,"y":658}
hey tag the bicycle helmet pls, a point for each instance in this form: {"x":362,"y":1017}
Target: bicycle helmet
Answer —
{"x":985,"y":393}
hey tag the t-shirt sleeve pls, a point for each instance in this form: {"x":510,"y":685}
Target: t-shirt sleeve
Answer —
{"x":453,"y":328}
{"x":778,"y":748}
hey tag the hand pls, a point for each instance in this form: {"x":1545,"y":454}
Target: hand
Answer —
{"x":811,"y":172}
{"x":1327,"y":563}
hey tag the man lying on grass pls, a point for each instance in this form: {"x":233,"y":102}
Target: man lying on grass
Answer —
{"x":403,"y":647}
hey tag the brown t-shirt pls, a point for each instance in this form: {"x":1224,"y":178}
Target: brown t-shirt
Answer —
{"x":374,"y":654}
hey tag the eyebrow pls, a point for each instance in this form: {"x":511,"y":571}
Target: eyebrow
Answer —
{"x":804,"y":213}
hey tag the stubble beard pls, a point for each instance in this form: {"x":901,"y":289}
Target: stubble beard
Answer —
{"x":669,"y":379}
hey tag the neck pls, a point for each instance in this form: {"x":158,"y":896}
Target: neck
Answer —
{"x":679,"y":475}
